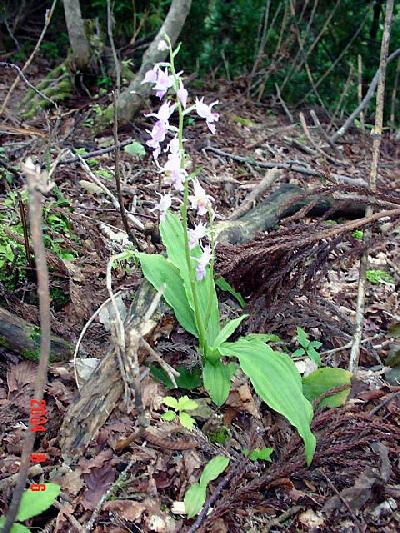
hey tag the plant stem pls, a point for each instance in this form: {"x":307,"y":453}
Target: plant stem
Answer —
{"x":184,"y":214}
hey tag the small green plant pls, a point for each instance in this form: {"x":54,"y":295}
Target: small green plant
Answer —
{"x":136,"y":149}
{"x":308,"y":348}
{"x":179,"y":408}
{"x":13,"y":260}
{"x":195,"y":496}
{"x":378,"y":276}
{"x":32,"y":504}
{"x":358,"y":234}
{"x":259,"y":454}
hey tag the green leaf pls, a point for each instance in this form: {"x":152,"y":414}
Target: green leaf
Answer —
{"x":171,"y":402}
{"x":16,"y":528}
{"x":159,"y":271}
{"x":299,"y":352}
{"x":324,"y":379}
{"x":277,"y":382}
{"x":213,"y":469}
{"x":217,"y":380}
{"x":172,"y":235}
{"x":135,"y":148}
{"x":224,"y":285}
{"x":188,"y":378}
{"x":259,"y":454}
{"x":314,"y":355}
{"x":264,"y":337}
{"x":229,"y":328}
{"x":186,"y":420}
{"x":169,"y":416}
{"x":34,"y":503}
{"x":302,"y":337}
{"x":186,"y":404}
{"x":194,"y":500}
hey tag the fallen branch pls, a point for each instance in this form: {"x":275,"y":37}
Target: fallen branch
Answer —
{"x":23,"y":338}
{"x":294,"y":167}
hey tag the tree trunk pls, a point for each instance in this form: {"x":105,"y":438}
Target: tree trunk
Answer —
{"x":76,"y":33}
{"x":131,"y":100}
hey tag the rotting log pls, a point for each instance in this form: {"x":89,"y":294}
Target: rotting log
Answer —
{"x":284,"y":202}
{"x":21,"y":337}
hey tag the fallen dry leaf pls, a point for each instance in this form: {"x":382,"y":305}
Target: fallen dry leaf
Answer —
{"x":126,"y":509}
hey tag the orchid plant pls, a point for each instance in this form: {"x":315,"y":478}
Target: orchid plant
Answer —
{"x":187,"y":270}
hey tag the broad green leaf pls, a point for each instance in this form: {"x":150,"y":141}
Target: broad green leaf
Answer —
{"x":217,"y":380}
{"x":195,"y":497}
{"x":34,"y":503}
{"x":135,"y":148}
{"x":169,"y":416}
{"x":222,"y":284}
{"x":194,"y":500}
{"x":159,"y":271}
{"x":186,"y":420}
{"x":229,"y":328}
{"x":171,"y":402}
{"x":213,"y":469}
{"x":259,"y":454}
{"x":324,"y":379}
{"x":172,"y":235}
{"x":16,"y":528}
{"x":277,"y":382}
{"x":186,"y":404}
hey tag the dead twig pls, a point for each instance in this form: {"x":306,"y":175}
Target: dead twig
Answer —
{"x":47,"y":19}
{"x":22,"y":76}
{"x":370,"y":93}
{"x":380,"y":101}
{"x":294,"y":167}
{"x":37,"y":185}
{"x":117,"y":67}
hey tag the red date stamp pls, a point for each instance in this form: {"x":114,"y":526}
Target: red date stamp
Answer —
{"x":37,"y":424}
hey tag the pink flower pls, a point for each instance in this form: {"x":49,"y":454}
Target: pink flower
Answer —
{"x":164,"y":82}
{"x":163,"y":205}
{"x":200,"y":200}
{"x":182,"y":94}
{"x":204,"y":111}
{"x":173,"y":146}
{"x":203,"y":261}
{"x":157,"y":135}
{"x":174,"y":174}
{"x":165,"y":111}
{"x":151,"y":76}
{"x":196,"y":234}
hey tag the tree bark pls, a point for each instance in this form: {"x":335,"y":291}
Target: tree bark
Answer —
{"x":77,"y":35}
{"x":131,"y":100}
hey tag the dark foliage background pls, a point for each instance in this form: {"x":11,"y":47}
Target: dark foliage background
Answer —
{"x":222,"y":38}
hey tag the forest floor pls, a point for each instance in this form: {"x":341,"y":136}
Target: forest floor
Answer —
{"x":353,"y":483}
